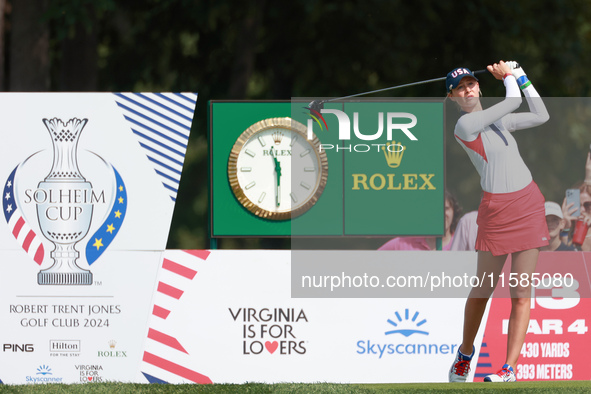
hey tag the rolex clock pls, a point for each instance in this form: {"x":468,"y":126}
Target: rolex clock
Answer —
{"x":275,"y":171}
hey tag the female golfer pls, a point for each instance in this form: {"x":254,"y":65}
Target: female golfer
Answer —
{"x":511,"y":215}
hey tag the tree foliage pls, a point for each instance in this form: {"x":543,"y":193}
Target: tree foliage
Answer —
{"x":260,"y":49}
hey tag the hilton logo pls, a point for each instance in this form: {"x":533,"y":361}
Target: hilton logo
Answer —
{"x":71,"y":346}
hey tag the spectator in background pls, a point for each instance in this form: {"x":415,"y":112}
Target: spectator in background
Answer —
{"x":453,"y":211}
{"x":466,"y":231}
{"x":586,"y":202}
{"x":556,"y":222}
{"x":585,"y":198}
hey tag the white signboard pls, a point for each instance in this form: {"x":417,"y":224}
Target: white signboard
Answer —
{"x":89,"y":183}
{"x":232,"y":320}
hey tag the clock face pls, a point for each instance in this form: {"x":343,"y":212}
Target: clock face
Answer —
{"x":275,"y":171}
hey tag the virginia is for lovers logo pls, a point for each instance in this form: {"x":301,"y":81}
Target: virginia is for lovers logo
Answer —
{"x":51,"y":206}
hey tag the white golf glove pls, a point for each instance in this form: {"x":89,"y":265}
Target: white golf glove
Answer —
{"x":516,"y":69}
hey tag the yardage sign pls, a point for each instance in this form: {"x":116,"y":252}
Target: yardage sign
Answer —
{"x":368,"y":168}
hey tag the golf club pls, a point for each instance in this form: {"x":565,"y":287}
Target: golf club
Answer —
{"x":318,"y":104}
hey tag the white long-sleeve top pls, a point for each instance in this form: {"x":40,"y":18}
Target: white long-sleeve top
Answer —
{"x":486,"y":137}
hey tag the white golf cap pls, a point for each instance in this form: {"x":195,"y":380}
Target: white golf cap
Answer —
{"x":553,"y":209}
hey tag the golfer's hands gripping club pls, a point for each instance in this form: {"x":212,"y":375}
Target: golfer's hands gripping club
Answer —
{"x":516,"y":69}
{"x":499,"y":70}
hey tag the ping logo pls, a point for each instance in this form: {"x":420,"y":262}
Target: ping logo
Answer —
{"x":393,"y":152}
{"x":406,"y":326}
{"x":13,"y":347}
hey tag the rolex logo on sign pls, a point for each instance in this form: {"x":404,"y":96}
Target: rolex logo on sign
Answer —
{"x":277,"y":137}
{"x":393,"y":152}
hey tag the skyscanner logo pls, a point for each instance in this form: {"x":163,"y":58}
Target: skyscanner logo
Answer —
{"x":407,"y":323}
{"x":399,"y":323}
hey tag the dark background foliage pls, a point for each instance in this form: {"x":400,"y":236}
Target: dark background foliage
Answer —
{"x":262,"y":49}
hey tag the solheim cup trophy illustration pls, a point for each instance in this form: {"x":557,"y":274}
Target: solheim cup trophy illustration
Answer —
{"x":64,"y":207}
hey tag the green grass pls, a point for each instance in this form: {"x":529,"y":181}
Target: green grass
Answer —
{"x":320,"y":388}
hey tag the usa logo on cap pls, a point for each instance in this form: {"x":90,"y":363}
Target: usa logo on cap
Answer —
{"x":456,"y":75}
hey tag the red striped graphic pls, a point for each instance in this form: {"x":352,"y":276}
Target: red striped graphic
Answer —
{"x":176,"y":369}
{"x":17,"y":228}
{"x":172,"y":356}
{"x":169,"y":290}
{"x":178,"y":269}
{"x":202,"y":254}
{"x":28,"y":240}
{"x":160,"y":312}
{"x":39,"y":254}
{"x":166,"y":340}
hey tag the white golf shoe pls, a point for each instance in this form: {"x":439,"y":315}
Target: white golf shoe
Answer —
{"x":461,"y":367}
{"x":506,"y":374}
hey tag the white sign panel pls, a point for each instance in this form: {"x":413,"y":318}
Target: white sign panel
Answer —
{"x":228,"y":317}
{"x":89,"y":183}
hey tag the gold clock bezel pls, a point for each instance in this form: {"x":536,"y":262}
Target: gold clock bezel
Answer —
{"x":294,"y":126}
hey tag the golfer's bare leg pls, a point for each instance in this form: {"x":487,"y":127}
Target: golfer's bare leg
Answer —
{"x":522,"y":263}
{"x":478,"y":298}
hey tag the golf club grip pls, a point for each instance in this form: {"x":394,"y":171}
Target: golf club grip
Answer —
{"x":483,"y":71}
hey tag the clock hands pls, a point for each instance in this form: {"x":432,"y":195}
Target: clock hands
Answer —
{"x":278,"y":172}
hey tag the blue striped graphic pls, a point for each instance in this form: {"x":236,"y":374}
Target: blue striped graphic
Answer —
{"x":107,"y":232}
{"x":483,"y":363}
{"x":161,"y":123}
{"x":153,"y":379}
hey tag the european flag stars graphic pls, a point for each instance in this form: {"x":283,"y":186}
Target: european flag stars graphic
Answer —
{"x":103,"y":237}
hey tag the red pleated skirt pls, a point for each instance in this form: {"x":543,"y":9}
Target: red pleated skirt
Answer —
{"x":512,"y":222}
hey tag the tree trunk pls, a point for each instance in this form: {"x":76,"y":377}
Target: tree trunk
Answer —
{"x":2,"y":46}
{"x":78,"y":69}
{"x":245,"y":50}
{"x":29,"y":47}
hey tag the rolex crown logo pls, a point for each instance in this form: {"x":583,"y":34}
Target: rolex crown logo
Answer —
{"x":112,"y":344}
{"x":393,"y":152}
{"x":277,"y":137}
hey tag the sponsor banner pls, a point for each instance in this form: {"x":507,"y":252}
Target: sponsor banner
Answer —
{"x":89,"y":183}
{"x":74,"y":334}
{"x":232,"y":320}
{"x":293,"y":169}
{"x":385,"y":153}
{"x":228,"y":317}
{"x":557,"y":342}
